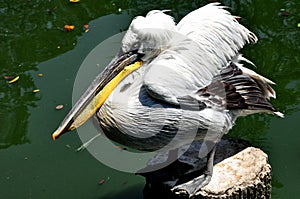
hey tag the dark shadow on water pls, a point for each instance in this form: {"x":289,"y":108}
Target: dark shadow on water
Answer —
{"x":180,"y":171}
{"x":133,"y":192}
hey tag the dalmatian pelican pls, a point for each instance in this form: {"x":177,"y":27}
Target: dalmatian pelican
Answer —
{"x":171,"y":83}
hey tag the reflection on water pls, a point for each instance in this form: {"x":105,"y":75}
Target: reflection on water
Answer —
{"x":31,"y":32}
{"x":15,"y":99}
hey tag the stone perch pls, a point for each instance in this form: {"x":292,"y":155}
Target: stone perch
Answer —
{"x":244,"y":175}
{"x":240,"y":171}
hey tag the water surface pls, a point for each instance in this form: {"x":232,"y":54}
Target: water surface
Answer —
{"x":34,"y":42}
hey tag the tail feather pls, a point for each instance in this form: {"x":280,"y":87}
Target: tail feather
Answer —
{"x":241,"y":89}
{"x":252,"y":91}
{"x":263,"y":82}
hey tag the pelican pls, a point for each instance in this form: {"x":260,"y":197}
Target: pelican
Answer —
{"x":171,"y":83}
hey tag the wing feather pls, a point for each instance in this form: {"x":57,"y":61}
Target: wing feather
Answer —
{"x":206,"y":40}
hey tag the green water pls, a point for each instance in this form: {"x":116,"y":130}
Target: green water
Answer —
{"x":32,"y":41}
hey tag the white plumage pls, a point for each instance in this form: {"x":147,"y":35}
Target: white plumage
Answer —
{"x":180,"y":60}
{"x":190,"y":86}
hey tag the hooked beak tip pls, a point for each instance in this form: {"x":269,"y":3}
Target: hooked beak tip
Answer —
{"x":55,"y":135}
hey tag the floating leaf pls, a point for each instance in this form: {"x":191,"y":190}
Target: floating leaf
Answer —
{"x":8,"y":77}
{"x":36,"y":90}
{"x":69,"y":27}
{"x":58,"y":107}
{"x":14,"y":79}
{"x":101,"y":182}
{"x":120,"y":147}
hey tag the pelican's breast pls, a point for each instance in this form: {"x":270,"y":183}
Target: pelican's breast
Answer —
{"x":131,"y":117}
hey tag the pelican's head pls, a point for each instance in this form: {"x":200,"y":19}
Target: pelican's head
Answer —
{"x":149,"y":35}
{"x":144,"y":40}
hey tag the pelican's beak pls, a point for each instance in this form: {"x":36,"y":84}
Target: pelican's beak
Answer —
{"x":96,"y":94}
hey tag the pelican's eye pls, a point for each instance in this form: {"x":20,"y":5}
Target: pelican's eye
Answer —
{"x":136,"y":45}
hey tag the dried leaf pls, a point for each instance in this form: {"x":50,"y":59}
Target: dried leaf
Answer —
{"x":69,"y":27}
{"x":101,"y":182}
{"x":74,"y":1}
{"x":14,"y":80}
{"x":36,"y":90}
{"x":40,"y":75}
{"x":120,"y":147}
{"x":58,"y":107}
{"x":8,"y":77}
